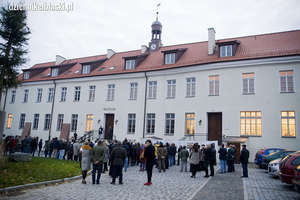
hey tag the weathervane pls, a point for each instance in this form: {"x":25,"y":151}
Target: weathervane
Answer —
{"x":157,"y":6}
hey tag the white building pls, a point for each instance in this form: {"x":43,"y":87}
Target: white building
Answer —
{"x":238,"y":90}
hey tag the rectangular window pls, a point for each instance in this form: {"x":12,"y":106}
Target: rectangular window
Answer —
{"x":39,"y":95}
{"x":214,"y":85}
{"x":250,"y":123}
{"x":89,"y":122}
{"x":74,"y":122}
{"x":26,"y":75}
{"x":286,"y":81}
{"x":22,"y":121}
{"x":110,"y":92}
{"x":13,"y":96}
{"x":130,"y":64}
{"x":171,"y":90}
{"x":152,"y":88}
{"x":63,"y":94}
{"x":86,"y":69}
{"x":54,"y":72}
{"x":92,"y":90}
{"x":133,"y":91}
{"x":190,"y":87}
{"x":190,"y":123}
{"x":36,"y":118}
{"x":47,"y":122}
{"x":150,"y":128}
{"x":248,"y":83}
{"x":170,"y":124}
{"x":131,"y":123}
{"x":26,"y":92}
{"x":225,"y":50}
{"x":60,"y":121}
{"x":50,"y":95}
{"x":170,"y":58}
{"x":9,"y":120}
{"x":77,"y":94}
{"x":288,"y":124}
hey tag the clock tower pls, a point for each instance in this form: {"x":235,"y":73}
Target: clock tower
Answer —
{"x":156,"y":35}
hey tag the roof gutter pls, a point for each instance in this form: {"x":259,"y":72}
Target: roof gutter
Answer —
{"x":145,"y":102}
{"x":52,"y":110}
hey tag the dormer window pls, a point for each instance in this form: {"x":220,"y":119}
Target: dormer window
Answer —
{"x":170,"y":58}
{"x":86,"y":69}
{"x":228,"y":48}
{"x":26,"y":75}
{"x":129,"y":64}
{"x":225,"y":50}
{"x":54,"y":72}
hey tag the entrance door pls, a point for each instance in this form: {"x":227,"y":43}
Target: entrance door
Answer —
{"x":237,"y":152}
{"x":214,"y":127}
{"x":109,"y":126}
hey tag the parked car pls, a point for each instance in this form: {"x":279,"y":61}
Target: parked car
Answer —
{"x":273,"y":167}
{"x":296,"y":179}
{"x":261,"y":152}
{"x":287,"y":166}
{"x":272,"y":156}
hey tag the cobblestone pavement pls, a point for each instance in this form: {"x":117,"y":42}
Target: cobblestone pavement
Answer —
{"x":260,"y":186}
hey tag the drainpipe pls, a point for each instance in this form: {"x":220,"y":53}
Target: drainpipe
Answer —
{"x":52,"y":109}
{"x":145,"y":104}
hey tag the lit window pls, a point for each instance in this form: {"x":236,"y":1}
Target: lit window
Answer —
{"x":286,"y":81}
{"x":86,"y":69}
{"x":288,"y":124}
{"x":250,"y":123}
{"x":214,"y":85}
{"x":170,"y":58}
{"x":26,"y":75}
{"x":9,"y":120}
{"x":190,"y":87}
{"x":77,"y":94}
{"x":133,"y":91}
{"x":130,"y":64}
{"x":225,"y":50}
{"x":50,"y":95}
{"x":54,"y":72}
{"x":63,"y":94}
{"x":74,"y":122}
{"x":152,"y":88}
{"x":131,"y":123}
{"x":190,"y":123}
{"x":47,"y":122}
{"x":150,"y":128}
{"x":170,"y":124}
{"x":171,"y":90}
{"x":60,"y":121}
{"x":89,"y":122}
{"x":110,"y":92}
{"x":92,"y":93}
{"x":36,"y":121}
{"x":22,"y":121}
{"x":248,"y":83}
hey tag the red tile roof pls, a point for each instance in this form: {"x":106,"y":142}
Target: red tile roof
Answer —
{"x":250,"y":47}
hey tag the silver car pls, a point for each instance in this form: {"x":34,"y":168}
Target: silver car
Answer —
{"x":273,"y":167}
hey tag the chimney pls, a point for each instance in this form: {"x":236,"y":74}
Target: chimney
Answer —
{"x":59,"y":60}
{"x":144,"y":49}
{"x":110,"y":53}
{"x":211,"y":41}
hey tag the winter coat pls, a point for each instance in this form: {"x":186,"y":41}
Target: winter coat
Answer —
{"x":149,"y":155}
{"x":183,"y":154}
{"x":97,"y":154}
{"x":194,"y":157}
{"x":118,"y":156}
{"x":161,"y":152}
{"x":231,"y":154}
{"x":244,"y":155}
{"x":106,"y":154}
{"x":172,"y":150}
{"x":222,"y":153}
{"x":76,"y":147}
{"x":85,"y":157}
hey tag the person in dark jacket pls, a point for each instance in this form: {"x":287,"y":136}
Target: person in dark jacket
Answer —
{"x":231,"y":158}
{"x":40,"y":146}
{"x":223,"y":157}
{"x":118,"y":156}
{"x":149,"y":155}
{"x":34,"y":144}
{"x":97,"y":157}
{"x":212,"y":158}
{"x":172,"y":154}
{"x":244,"y":161}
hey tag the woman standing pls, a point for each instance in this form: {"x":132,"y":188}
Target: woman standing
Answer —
{"x":85,"y":160}
{"x":194,"y":159}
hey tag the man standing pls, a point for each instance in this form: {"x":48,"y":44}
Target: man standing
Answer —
{"x":223,"y":157}
{"x":183,"y":155}
{"x":231,"y":158}
{"x":118,"y":156}
{"x":244,"y":161}
{"x":97,"y":160}
{"x":149,"y":155}
{"x":40,"y":146}
{"x":161,"y":156}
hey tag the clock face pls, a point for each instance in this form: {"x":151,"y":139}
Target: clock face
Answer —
{"x":153,"y":46}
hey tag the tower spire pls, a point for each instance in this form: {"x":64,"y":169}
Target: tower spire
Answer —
{"x":156,"y":29}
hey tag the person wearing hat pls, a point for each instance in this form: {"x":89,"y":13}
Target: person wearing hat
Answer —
{"x":244,"y":161}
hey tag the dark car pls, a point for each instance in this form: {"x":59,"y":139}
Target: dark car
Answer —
{"x":260,"y":153}
{"x":266,"y":159}
{"x":287,"y":166}
{"x":296,"y":179}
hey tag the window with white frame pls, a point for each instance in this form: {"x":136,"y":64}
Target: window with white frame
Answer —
{"x":26,"y":92}
{"x":171,"y":89}
{"x":131,"y":123}
{"x":74,"y":122}
{"x":13,"y":96}
{"x":92,"y":90}
{"x":248,"y":83}
{"x":133,"y":91}
{"x":190,"y":123}
{"x":250,"y":123}
{"x":36,"y":118}
{"x":39,"y":95}
{"x":152,"y":89}
{"x":89,"y":122}
{"x":130,"y":64}
{"x":22,"y":121}
{"x":86,"y":69}
{"x":190,"y":87}
{"x":288,"y":124}
{"x":286,"y":81}
{"x":170,"y":58}
{"x":60,"y":121}
{"x":54,"y":72}
{"x":26,"y":75}
{"x":63,"y":94}
{"x":47,"y":122}
{"x":214,"y":85}
{"x":170,"y":124}
{"x":110,"y":92}
{"x":150,"y":127}
{"x":225,"y":50}
{"x":50,"y":94}
{"x":77,"y":94}
{"x":9,"y":120}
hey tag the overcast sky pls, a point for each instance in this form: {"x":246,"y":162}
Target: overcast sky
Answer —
{"x":92,"y":27}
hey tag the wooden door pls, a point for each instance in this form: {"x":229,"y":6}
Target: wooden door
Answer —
{"x":109,"y":126}
{"x":215,"y":127}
